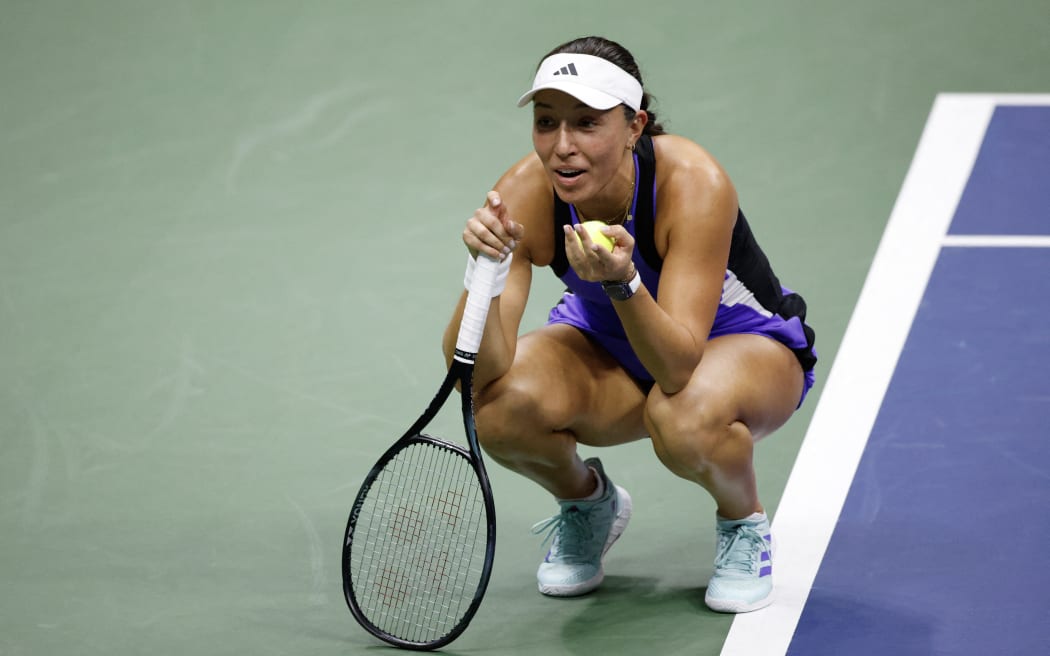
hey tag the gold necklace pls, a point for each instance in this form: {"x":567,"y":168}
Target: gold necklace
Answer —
{"x":624,"y":217}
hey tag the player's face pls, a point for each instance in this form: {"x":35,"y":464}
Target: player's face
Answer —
{"x":582,"y":148}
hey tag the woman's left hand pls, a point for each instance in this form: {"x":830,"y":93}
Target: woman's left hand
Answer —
{"x":595,"y":263}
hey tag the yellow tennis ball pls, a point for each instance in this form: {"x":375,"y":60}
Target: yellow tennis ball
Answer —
{"x":594,"y":229}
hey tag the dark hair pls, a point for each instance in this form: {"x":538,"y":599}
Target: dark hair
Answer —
{"x":615,"y":53}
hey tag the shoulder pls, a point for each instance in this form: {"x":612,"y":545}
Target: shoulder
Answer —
{"x":526,"y":190}
{"x":694,"y":193}
{"x":682,"y":165}
{"x":525,"y":176}
{"x":529,"y":196}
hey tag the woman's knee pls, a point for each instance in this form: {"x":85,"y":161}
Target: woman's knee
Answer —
{"x":689,"y":428}
{"x":507,"y":412}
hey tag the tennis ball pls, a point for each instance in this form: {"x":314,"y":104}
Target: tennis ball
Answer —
{"x":594,"y":229}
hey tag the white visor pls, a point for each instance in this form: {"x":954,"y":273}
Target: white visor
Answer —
{"x":592,"y":80}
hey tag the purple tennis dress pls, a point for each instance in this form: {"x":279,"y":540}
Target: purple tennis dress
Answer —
{"x":753,"y":300}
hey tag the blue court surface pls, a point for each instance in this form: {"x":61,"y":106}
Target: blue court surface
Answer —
{"x":914,"y":521}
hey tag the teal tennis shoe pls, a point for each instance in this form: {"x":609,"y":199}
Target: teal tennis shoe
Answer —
{"x":580,"y":536}
{"x":743,"y":578}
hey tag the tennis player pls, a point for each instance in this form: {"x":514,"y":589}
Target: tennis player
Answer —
{"x":682,"y":333}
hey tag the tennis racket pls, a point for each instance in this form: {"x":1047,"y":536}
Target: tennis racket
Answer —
{"x":422,"y":531}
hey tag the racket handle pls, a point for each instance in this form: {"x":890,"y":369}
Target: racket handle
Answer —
{"x":479,"y":297}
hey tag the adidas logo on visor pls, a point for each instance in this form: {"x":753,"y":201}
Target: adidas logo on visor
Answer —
{"x":591,"y":80}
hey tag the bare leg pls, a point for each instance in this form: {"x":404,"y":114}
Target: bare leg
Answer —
{"x":745,"y":387}
{"x":562,"y":390}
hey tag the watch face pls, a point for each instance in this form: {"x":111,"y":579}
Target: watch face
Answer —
{"x":618,"y":291}
{"x":621,"y":291}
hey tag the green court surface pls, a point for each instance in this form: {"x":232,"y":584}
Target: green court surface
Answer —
{"x":230,"y":241}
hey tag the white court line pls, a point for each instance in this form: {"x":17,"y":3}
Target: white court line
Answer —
{"x":997,"y":241}
{"x":867,"y":357}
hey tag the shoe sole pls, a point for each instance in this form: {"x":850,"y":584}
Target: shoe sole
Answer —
{"x":726,"y":606}
{"x":617,"y":529}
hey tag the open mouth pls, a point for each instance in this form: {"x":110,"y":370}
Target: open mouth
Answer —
{"x":569,"y":174}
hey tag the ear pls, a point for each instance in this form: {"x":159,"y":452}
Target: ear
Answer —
{"x":637,"y":125}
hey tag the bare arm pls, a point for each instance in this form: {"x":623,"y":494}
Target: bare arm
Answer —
{"x":505,"y":224}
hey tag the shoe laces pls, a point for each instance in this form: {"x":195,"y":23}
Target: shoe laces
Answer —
{"x":737,"y":549}
{"x":572,"y":526}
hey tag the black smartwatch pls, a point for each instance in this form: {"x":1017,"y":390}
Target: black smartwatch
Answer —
{"x":623,"y":290}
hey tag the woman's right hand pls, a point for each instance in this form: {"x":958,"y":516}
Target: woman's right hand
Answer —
{"x":491,"y":230}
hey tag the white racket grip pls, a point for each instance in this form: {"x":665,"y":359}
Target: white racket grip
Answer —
{"x":479,"y":297}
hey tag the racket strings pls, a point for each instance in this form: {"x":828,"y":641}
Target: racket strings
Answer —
{"x":418,"y":549}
